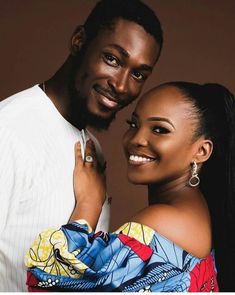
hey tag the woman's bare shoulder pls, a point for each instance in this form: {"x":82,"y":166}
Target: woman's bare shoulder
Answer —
{"x":186,"y":228}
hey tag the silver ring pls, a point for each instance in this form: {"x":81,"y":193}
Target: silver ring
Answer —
{"x":89,"y":159}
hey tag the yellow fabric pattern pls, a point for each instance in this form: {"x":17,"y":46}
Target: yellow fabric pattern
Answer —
{"x":140,"y":232}
{"x":50,"y":253}
{"x":42,"y":255}
{"x":84,"y":222}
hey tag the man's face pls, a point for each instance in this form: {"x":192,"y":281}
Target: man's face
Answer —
{"x":114,"y":68}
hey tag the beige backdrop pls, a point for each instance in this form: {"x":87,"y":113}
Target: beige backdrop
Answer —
{"x":199,"y":46}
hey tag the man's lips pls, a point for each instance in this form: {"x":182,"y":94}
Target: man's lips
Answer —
{"x":106,"y":98}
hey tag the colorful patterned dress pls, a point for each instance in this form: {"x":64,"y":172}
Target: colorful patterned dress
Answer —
{"x":135,"y":258}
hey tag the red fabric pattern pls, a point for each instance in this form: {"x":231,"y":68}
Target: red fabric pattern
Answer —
{"x":32,"y":281}
{"x":143,"y":251}
{"x":203,"y":277}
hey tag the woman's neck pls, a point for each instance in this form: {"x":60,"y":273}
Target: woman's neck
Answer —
{"x":168,"y":193}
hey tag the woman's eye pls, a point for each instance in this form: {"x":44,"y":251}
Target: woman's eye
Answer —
{"x":110,"y":59}
{"x":132,"y":124}
{"x":138,"y":76}
{"x":160,"y":130}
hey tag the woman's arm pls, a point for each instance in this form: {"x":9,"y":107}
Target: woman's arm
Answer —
{"x":89,"y":186}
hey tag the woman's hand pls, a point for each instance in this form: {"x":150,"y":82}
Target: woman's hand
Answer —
{"x":89,"y":185}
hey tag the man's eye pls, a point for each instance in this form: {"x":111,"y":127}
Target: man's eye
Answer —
{"x":161,"y":130}
{"x":110,"y":59}
{"x":138,"y":76}
{"x":132,"y":124}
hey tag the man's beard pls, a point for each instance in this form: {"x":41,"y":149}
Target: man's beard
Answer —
{"x":81,"y":116}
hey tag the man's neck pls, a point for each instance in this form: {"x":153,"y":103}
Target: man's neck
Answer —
{"x":57,"y":89}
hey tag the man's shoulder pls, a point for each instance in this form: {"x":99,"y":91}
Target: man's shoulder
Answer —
{"x":19,"y":95}
{"x":22,"y":115}
{"x":19,"y":101}
{"x":17,"y":107}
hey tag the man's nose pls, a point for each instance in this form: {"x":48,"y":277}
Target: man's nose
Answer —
{"x":119,"y":81}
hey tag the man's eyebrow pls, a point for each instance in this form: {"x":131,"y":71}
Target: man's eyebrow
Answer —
{"x":145,"y":67}
{"x":123,"y":52}
{"x":120,"y":49}
{"x":161,"y":119}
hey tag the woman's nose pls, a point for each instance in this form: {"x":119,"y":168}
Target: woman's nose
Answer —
{"x":139,"y":138}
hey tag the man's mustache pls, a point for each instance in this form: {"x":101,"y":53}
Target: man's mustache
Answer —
{"x":110,"y":94}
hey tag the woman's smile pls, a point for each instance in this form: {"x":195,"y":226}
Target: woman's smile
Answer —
{"x":135,"y":159}
{"x":158,"y":144}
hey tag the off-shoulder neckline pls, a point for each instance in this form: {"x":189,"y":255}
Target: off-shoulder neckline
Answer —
{"x":165,"y":238}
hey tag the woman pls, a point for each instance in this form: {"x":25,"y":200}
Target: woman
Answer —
{"x":179,"y":143}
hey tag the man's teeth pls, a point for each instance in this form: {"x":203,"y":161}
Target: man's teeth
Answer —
{"x":139,"y":159}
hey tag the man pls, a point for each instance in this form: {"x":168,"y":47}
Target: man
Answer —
{"x":111,"y":57}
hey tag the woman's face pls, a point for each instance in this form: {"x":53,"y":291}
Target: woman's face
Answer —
{"x":159,"y":144}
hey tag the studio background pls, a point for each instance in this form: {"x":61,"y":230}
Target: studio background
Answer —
{"x":199,"y":45}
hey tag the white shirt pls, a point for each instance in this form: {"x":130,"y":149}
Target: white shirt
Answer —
{"x":36,"y":178}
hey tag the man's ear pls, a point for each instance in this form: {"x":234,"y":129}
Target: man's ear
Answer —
{"x":77,"y":40}
{"x":203,"y":150}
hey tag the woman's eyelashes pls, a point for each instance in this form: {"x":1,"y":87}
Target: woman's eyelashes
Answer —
{"x":131,"y":123}
{"x":157,"y":129}
{"x":160,"y":130}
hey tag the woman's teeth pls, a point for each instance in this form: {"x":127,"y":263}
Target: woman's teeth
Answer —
{"x":139,"y":159}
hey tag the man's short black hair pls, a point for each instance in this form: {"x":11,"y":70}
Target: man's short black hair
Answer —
{"x":107,"y":11}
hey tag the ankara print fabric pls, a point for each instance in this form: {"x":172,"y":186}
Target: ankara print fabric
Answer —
{"x":135,"y":258}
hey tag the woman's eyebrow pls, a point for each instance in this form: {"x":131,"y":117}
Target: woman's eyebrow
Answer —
{"x":161,"y":119}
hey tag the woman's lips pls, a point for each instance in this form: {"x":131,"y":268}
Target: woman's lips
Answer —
{"x":139,"y":160}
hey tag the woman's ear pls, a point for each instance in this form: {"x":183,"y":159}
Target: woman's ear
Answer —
{"x":77,"y":40}
{"x":204,"y":150}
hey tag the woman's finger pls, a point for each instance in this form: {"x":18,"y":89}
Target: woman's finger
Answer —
{"x":90,"y":153}
{"x":78,"y":153}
